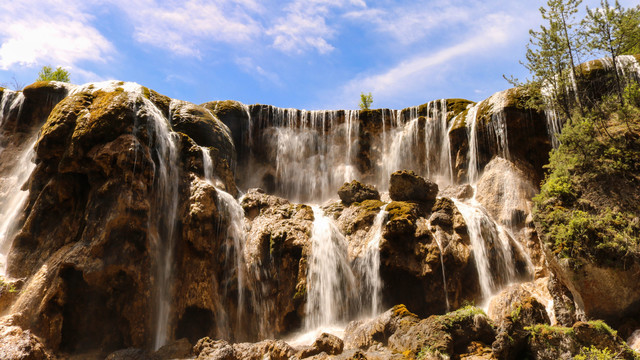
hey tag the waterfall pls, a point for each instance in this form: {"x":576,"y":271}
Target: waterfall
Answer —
{"x":13,"y":197}
{"x":162,"y":219}
{"x":491,"y":248}
{"x":232,"y":211}
{"x":312,"y":151}
{"x":438,"y":236}
{"x":471,"y":121}
{"x":369,"y":267}
{"x":330,"y":280}
{"x":10,"y":104}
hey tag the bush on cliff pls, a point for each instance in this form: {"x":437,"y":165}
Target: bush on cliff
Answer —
{"x":588,"y":207}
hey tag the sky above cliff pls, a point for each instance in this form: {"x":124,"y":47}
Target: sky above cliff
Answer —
{"x":312,"y":54}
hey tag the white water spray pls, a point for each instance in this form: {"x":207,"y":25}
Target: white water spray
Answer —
{"x":369,"y":267}
{"x":330,"y":281}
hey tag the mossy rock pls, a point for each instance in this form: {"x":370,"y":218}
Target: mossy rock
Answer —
{"x":405,"y":185}
{"x":200,"y":125}
{"x":162,"y":102}
{"x":109,"y":115}
{"x":402,"y":218}
{"x":455,"y":107}
{"x":233,"y":114}
{"x":356,"y":191}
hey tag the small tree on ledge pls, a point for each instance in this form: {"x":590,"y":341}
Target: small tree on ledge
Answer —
{"x":365,"y":101}
{"x":48,"y":74}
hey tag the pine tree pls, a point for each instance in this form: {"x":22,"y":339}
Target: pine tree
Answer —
{"x":631,"y":31}
{"x":552,"y":53}
{"x":604,"y":31}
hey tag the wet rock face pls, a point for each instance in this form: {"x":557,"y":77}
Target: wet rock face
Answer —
{"x":276,"y":251}
{"x":88,"y":243}
{"x":405,"y":185}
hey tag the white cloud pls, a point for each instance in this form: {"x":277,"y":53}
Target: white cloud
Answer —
{"x":184,"y":27}
{"x":411,"y":23}
{"x":55,"y":32}
{"x":304,"y":25}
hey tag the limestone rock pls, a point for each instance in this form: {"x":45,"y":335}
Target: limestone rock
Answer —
{"x":362,"y":334}
{"x":19,"y":344}
{"x":356,"y":191}
{"x":175,"y":350}
{"x":495,"y":188}
{"x":207,"y":349}
{"x":522,"y":311}
{"x":89,"y":236}
{"x":9,"y":292}
{"x":325,"y":343}
{"x":129,"y":354}
{"x":276,"y":253}
{"x":451,"y":333}
{"x":565,"y":343}
{"x":405,"y":185}
{"x":460,"y":192}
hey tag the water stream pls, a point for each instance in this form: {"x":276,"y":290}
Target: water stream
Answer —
{"x":368,"y":267}
{"x":331,"y":284}
{"x":12,"y":198}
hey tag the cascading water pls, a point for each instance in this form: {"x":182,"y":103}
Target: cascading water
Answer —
{"x":331,"y":283}
{"x":235,"y":236}
{"x":368,"y":267}
{"x":312,"y":152}
{"x":489,"y":242}
{"x":13,"y":198}
{"x":471,"y":120}
{"x":162,"y":220}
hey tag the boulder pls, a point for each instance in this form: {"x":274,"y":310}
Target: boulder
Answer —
{"x":325,"y":343}
{"x":592,"y":339}
{"x":523,"y":311}
{"x":130,"y":354}
{"x":405,"y":185}
{"x":19,"y":344}
{"x":450,"y":334}
{"x":363,"y":334}
{"x":356,"y":191}
{"x":208,"y":349}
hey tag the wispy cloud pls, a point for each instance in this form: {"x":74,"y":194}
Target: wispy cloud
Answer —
{"x":304,"y":26}
{"x":184,"y":27}
{"x":413,"y":22}
{"x":55,"y":32}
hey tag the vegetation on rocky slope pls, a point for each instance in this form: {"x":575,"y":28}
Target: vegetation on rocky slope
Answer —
{"x":588,"y":206}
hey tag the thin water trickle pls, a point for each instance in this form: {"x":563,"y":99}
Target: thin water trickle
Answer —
{"x":438,"y":238}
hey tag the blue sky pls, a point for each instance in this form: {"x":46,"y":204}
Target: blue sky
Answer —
{"x":311,"y":54}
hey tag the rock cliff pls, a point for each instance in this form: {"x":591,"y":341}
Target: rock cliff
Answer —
{"x":149,"y":227}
